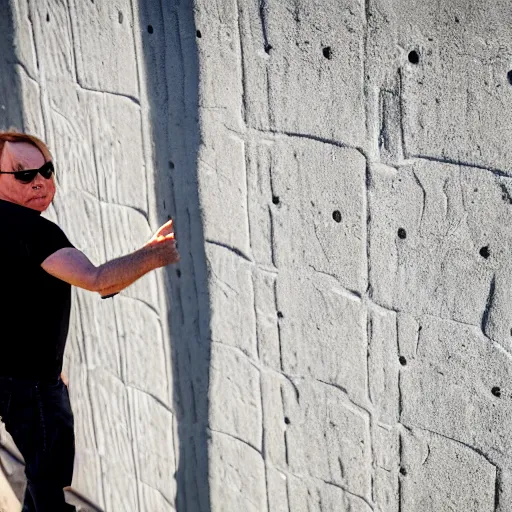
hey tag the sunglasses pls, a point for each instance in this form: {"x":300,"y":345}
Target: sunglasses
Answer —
{"x":28,"y":175}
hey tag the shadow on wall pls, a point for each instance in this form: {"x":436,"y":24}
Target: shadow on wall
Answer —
{"x":11,"y":111}
{"x":171,"y":65}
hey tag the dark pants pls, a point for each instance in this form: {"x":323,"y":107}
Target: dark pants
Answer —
{"x":39,"y":418}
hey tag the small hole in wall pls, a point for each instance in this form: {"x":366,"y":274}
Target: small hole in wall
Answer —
{"x":484,"y":252}
{"x":401,"y":233}
{"x":268,"y":47}
{"x":509,"y":76}
{"x":178,"y":272}
{"x":275,"y":199}
{"x":171,"y":165}
{"x":327,"y":51}
{"x":287,"y":420}
{"x":120,"y":17}
{"x":150,"y":29}
{"x":47,"y":16}
{"x":403,"y":471}
{"x":414,"y":57}
{"x":402,"y":360}
{"x":496,"y":391}
{"x":279,"y":314}
{"x":336,"y":215}
{"x":198,"y":33}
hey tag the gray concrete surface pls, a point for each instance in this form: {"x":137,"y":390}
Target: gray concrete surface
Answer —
{"x":337,"y":336}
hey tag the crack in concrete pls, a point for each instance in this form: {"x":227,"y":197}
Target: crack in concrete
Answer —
{"x":232,"y":436}
{"x":232,"y":249}
{"x":242,"y":64}
{"x":370,"y":504}
{"x":100,"y":91}
{"x":112,"y":203}
{"x":159,"y":401}
{"x":24,"y":68}
{"x":159,"y":492}
{"x":450,"y":161}
{"x":424,"y":197}
{"x":462,"y":443}
{"x":488,"y":305}
{"x":142,"y":301}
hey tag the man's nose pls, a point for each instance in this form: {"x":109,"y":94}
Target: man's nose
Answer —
{"x":38,"y":180}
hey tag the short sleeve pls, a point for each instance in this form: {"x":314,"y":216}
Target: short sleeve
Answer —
{"x":47,"y":239}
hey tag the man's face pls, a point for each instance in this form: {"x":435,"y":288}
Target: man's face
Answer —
{"x":38,"y":194}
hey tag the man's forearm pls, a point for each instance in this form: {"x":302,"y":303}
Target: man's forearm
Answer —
{"x":117,"y":274}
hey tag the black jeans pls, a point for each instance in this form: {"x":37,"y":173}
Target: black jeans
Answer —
{"x":39,"y":418}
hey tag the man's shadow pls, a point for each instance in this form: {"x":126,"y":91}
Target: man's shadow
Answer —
{"x":172,"y":70}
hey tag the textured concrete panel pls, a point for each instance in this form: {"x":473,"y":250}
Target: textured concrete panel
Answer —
{"x":318,"y":221}
{"x":140,"y":334}
{"x":386,"y":457}
{"x":114,"y":437}
{"x":274,"y":387}
{"x":438,"y":235}
{"x":155,"y":454}
{"x":383,"y":365}
{"x":223,"y":185}
{"x":313,"y":341}
{"x":219,"y":56}
{"x":31,"y":92}
{"x":460,"y":83}
{"x":235,"y":486}
{"x":235,"y":396}
{"x":277,"y":491}
{"x":117,"y":143}
{"x":294,"y":57}
{"x":442,"y":474}
{"x":104,"y":46}
{"x":267,"y":318}
{"x":87,"y":468}
{"x":231,"y":290}
{"x":328,"y":438}
{"x":51,"y":23}
{"x":259,"y":199}
{"x":458,"y":386}
{"x":99,"y":334}
{"x":308,"y":495}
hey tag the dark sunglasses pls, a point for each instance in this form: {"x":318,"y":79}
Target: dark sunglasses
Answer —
{"x":28,"y":175}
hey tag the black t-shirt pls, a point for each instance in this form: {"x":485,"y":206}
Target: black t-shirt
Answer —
{"x":34,"y":306}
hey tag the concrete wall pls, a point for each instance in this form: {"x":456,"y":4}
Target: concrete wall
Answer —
{"x":337,"y":336}
{"x":365,"y":147}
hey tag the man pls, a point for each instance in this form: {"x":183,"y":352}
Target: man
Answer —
{"x":38,"y":266}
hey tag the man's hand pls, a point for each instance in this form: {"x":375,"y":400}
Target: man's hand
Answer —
{"x":64,"y":379}
{"x":163,"y":244}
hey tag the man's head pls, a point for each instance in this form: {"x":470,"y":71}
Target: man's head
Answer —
{"x":20,"y":151}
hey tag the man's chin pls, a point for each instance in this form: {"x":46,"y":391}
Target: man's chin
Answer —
{"x":39,"y":205}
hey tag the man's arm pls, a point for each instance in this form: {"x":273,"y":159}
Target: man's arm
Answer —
{"x":74,"y":267}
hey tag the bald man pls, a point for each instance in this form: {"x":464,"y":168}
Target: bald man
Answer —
{"x":38,"y":267}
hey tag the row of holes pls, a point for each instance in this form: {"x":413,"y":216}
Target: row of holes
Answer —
{"x":484,"y":251}
{"x":414,"y":57}
{"x":496,"y":391}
